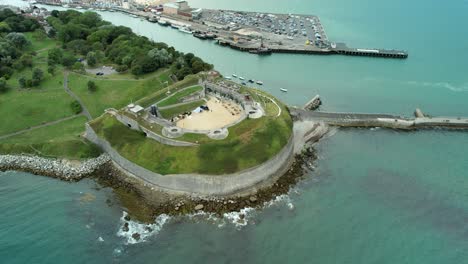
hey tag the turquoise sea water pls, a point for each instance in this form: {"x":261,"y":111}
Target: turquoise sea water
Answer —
{"x":376,"y":196}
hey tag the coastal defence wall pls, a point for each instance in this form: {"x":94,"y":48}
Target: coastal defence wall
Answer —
{"x":204,"y":185}
{"x":132,"y":124}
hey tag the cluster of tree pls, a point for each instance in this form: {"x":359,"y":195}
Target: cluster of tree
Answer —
{"x":37,"y":77}
{"x":12,"y":22}
{"x":87,"y":35}
{"x":13,"y":43}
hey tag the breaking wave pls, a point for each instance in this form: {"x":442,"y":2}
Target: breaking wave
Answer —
{"x":144,"y":230}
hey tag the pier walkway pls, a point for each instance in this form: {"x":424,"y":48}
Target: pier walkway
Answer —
{"x":380,"y":120}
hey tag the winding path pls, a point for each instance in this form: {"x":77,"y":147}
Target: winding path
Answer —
{"x":85,"y":111}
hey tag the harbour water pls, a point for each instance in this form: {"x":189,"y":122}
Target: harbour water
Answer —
{"x":376,"y":196}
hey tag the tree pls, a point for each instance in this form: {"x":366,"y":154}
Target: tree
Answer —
{"x":54,"y":56}
{"x":54,"y":13}
{"x":37,"y":77}
{"x":68,"y":60}
{"x":38,"y":74}
{"x":18,"y":39}
{"x":76,"y":107}
{"x":22,"y":82}
{"x":78,"y":67}
{"x":161,"y":56}
{"x":91,"y":59}
{"x":51,"y":69}
{"x":52,"y":32}
{"x":3,"y":85}
{"x":92,"y":87}
{"x":39,"y":34}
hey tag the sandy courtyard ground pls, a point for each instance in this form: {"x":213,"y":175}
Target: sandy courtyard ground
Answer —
{"x":221,"y":114}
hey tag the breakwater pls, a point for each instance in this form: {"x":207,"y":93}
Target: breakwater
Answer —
{"x":381,"y":120}
{"x":57,"y":168}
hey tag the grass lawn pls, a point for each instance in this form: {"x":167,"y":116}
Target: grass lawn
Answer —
{"x":249,"y":143}
{"x":161,"y":94}
{"x":40,"y":45}
{"x":111,"y":93}
{"x":26,"y":108}
{"x":174,"y":111}
{"x":59,"y":140}
{"x":176,"y":97}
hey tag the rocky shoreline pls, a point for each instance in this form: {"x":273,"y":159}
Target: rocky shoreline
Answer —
{"x":62,"y":169}
{"x":144,"y":203}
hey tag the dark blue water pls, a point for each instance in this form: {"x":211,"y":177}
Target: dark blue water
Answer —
{"x":377,"y":196}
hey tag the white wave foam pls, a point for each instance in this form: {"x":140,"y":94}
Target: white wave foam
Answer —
{"x":100,"y":239}
{"x":144,"y":230}
{"x":445,"y":85}
{"x":281,"y":199}
{"x":241,"y":218}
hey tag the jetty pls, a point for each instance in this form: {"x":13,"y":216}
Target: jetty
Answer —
{"x":381,"y":120}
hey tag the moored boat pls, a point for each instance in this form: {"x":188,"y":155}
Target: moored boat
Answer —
{"x":284,"y":90}
{"x":234,"y":75}
{"x":163,"y":23}
{"x":259,"y":82}
{"x":185,"y":30}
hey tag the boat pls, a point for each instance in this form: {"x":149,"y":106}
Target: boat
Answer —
{"x":241,"y":78}
{"x":244,"y":83}
{"x":199,"y":35}
{"x":163,"y":23}
{"x":261,"y":51}
{"x":185,"y":30}
{"x":153,"y":19}
{"x":251,"y":81}
{"x":259,"y":82}
{"x":284,"y":90}
{"x":234,"y":75}
{"x":175,"y":26}
{"x":290,"y":38}
{"x":210,"y":35}
{"x":228,"y":78}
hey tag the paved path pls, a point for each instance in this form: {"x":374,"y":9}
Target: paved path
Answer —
{"x":85,"y":111}
{"x":38,"y":126}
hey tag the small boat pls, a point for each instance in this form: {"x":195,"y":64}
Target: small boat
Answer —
{"x":290,"y":38}
{"x":241,"y":78}
{"x":234,"y":75}
{"x":175,"y":26}
{"x":261,"y":51}
{"x":163,"y":23}
{"x":259,"y":82}
{"x":185,"y":30}
{"x":210,"y":35}
{"x":199,"y":35}
{"x":244,"y":83}
{"x":228,"y":78}
{"x":251,"y":81}
{"x":284,"y":90}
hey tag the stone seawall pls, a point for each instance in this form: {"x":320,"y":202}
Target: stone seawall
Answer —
{"x":203,"y":185}
{"x":57,"y":168}
{"x":132,"y":124}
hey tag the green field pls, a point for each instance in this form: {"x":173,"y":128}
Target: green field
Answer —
{"x":113,"y":92}
{"x":174,"y":111}
{"x":176,"y":97}
{"x":59,"y":140}
{"x":161,"y":94}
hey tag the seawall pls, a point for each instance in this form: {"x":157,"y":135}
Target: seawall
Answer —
{"x":246,"y":181}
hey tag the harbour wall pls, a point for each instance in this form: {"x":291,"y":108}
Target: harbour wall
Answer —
{"x":204,"y":185}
